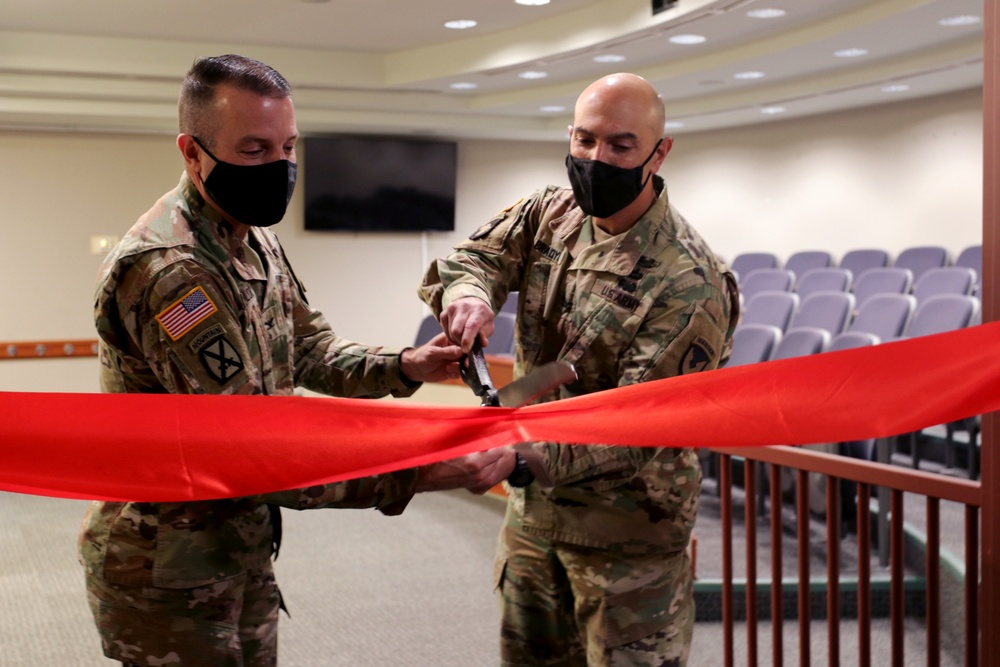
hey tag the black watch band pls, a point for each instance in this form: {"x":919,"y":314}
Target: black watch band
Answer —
{"x":522,"y":475}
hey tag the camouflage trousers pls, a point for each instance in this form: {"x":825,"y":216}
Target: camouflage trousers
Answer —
{"x":231,"y":623}
{"x":570,"y":606}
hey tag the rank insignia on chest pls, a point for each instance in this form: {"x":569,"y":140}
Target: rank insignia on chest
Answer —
{"x":186,"y":313}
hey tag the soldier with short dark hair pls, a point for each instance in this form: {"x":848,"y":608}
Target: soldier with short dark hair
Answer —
{"x":592,"y":567}
{"x":198,"y":298}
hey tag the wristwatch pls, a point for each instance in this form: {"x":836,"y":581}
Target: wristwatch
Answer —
{"x":522,"y":475}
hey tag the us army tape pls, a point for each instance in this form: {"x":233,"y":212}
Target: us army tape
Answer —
{"x":182,"y":447}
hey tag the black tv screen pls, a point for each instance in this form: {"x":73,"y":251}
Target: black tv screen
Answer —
{"x":379,"y":184}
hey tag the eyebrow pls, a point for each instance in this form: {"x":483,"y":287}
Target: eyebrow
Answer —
{"x":617,"y":136}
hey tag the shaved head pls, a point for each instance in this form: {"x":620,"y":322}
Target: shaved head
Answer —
{"x":626,"y":99}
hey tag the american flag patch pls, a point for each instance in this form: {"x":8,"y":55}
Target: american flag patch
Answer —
{"x":184,"y":314}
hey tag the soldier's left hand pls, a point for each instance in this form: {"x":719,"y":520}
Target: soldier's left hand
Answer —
{"x":432,"y":362}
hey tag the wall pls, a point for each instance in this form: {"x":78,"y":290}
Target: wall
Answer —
{"x":890,"y":176}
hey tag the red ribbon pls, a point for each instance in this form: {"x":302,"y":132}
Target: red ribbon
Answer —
{"x":184,"y":447}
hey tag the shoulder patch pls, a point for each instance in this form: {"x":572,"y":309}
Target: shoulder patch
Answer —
{"x":220,"y":359}
{"x":697,"y":358}
{"x":184,"y":314}
{"x":485,"y":230}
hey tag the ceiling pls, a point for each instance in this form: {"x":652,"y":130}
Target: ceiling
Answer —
{"x":387,"y":66}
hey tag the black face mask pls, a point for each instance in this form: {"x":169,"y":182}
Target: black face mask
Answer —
{"x":602,"y":189}
{"x":256,"y":195}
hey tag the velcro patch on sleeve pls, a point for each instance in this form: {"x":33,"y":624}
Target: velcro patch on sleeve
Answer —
{"x":184,"y":314}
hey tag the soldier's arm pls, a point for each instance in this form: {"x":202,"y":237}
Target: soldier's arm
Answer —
{"x":688,"y":333}
{"x":184,"y":330}
{"x":487,"y":265}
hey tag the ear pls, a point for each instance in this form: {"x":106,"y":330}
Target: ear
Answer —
{"x":661,"y":153}
{"x":189,"y":149}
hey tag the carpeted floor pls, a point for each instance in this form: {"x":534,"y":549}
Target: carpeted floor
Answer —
{"x":362,"y":589}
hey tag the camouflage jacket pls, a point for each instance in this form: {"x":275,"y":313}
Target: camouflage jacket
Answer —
{"x":647,"y":304}
{"x":185,"y":306}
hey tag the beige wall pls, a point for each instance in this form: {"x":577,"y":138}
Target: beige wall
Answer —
{"x":890,"y":177}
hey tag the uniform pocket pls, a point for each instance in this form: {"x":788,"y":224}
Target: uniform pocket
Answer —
{"x":661,"y":605}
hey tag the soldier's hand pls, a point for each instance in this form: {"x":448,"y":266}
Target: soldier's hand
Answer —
{"x":434,"y":361}
{"x":466,"y":318}
{"x":477,"y":472}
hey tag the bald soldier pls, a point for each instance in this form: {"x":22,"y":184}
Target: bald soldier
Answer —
{"x":592,"y":567}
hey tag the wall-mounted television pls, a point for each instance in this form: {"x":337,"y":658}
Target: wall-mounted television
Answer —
{"x":379,"y":184}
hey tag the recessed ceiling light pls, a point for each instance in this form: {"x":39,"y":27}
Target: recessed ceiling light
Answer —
{"x":895,"y":88}
{"x":672,"y":125}
{"x":851,"y":53}
{"x":460,"y":24}
{"x":609,"y":58}
{"x":532,"y":3}
{"x":749,"y":75}
{"x":530,"y":74}
{"x":687,"y":39}
{"x":766,"y":13}
{"x":770,"y":111}
{"x":952,"y":21}
{"x":464,"y":85}
{"x":552,"y":108}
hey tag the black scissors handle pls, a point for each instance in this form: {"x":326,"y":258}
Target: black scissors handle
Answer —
{"x":476,"y":374}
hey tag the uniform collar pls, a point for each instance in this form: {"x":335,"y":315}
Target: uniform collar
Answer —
{"x":238,"y":251}
{"x":619,"y":254}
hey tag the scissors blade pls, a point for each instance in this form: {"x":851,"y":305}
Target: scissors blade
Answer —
{"x":535,"y":384}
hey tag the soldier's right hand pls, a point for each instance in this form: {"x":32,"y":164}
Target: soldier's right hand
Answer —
{"x":466,"y":318}
{"x":477,"y":472}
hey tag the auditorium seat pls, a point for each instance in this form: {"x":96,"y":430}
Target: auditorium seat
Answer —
{"x":502,"y":340}
{"x":861,"y":259}
{"x":766,"y":280}
{"x":944,"y":312}
{"x":429,"y":327}
{"x":746,"y":262}
{"x":920,"y":258}
{"x":806,"y":260}
{"x":800,"y":342}
{"x":883,"y":280}
{"x":753,"y":343}
{"x":938,"y":314}
{"x":884,"y":315}
{"x":944,"y":280}
{"x":972,"y":257}
{"x":848,"y":340}
{"x":510,"y":305}
{"x":830,"y":311}
{"x":775,"y":308}
{"x":831,"y":279}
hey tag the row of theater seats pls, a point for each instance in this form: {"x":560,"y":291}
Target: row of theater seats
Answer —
{"x":815,"y":307}
{"x":502,"y":340}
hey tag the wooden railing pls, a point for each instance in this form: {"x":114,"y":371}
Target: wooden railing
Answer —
{"x":48,"y":349}
{"x":868,"y":475}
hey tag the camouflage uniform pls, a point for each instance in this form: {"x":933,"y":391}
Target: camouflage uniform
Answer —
{"x":185,"y":306}
{"x":591,"y":565}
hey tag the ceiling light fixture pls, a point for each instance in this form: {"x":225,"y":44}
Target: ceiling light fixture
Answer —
{"x":460,"y":24}
{"x":851,"y":53}
{"x":770,"y":111}
{"x":532,"y":3}
{"x":673,"y":125}
{"x":463,"y":85}
{"x":552,"y":108}
{"x":531,"y":74}
{"x":965,"y":19}
{"x":609,"y":58}
{"x":749,"y":75}
{"x":895,"y":88}
{"x":687,"y":39}
{"x":766,"y":13}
